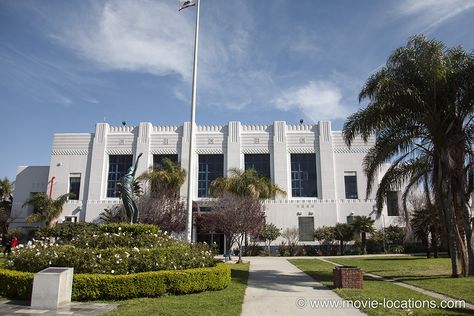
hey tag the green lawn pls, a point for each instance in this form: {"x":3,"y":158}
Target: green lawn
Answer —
{"x":432,"y":274}
{"x":373,"y":290}
{"x":226,"y":302}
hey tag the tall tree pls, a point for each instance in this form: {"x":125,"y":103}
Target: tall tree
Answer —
{"x":235,"y":216}
{"x":269,"y":233}
{"x":343,"y":232}
{"x":245,"y":183}
{"x":421,"y":106}
{"x":6,"y":201}
{"x":425,"y":225}
{"x":325,"y":236}
{"x":45,"y":208}
{"x":363,"y":225}
{"x":161,"y":205}
{"x":165,"y":178}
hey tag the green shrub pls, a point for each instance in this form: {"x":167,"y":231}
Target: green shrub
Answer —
{"x":18,"y":285}
{"x":119,"y":260}
{"x":396,"y":250}
{"x":133,"y":229}
{"x":67,"y":231}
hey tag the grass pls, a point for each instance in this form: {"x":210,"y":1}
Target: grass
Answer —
{"x":373,"y":290}
{"x":228,"y":301}
{"x":431,"y":274}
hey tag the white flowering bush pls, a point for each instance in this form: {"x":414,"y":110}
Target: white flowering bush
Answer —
{"x":113,"y":249}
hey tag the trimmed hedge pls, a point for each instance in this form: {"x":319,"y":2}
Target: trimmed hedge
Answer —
{"x":178,"y":256}
{"x":18,"y":285}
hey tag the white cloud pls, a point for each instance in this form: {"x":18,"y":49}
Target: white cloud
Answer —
{"x":140,"y":35}
{"x":318,"y":100}
{"x":432,"y":13}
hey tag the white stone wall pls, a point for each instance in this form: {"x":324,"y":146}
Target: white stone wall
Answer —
{"x":87,"y":155}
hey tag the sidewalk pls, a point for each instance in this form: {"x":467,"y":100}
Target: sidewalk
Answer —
{"x":276,"y":287}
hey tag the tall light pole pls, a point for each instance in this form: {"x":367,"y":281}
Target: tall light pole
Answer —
{"x":189,"y":220}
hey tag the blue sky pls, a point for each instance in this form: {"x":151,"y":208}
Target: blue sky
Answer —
{"x":66,"y":65}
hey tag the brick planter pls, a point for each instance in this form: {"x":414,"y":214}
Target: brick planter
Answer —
{"x":348,"y":277}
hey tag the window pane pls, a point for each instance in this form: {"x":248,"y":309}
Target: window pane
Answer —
{"x":303,"y":175}
{"x":350,"y":182}
{"x":118,"y":166}
{"x":211,"y":167}
{"x":158,"y":159}
{"x":306,"y":228}
{"x":74,"y":187}
{"x":259,"y":162}
{"x":392,"y":203}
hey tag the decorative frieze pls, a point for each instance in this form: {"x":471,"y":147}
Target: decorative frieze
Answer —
{"x":69,"y":152}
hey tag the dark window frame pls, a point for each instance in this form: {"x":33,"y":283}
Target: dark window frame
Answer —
{"x":158,"y":159}
{"x":393,"y":205}
{"x":303,"y":175}
{"x":118,"y":166}
{"x":210,"y":167}
{"x":350,"y":185}
{"x":258,"y":162}
{"x":74,"y":188}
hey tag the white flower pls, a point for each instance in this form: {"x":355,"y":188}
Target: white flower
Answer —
{"x":113,"y":271}
{"x":127,"y":254}
{"x":120,"y":228}
{"x":117,"y":255}
{"x":136,"y":249}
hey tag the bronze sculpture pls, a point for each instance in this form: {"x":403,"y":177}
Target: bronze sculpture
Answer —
{"x":128,"y":180}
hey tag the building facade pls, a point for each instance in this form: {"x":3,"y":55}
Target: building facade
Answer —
{"x":322,"y":176}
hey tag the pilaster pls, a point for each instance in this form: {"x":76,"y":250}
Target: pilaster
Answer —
{"x":280,"y":156}
{"x":234,"y":155}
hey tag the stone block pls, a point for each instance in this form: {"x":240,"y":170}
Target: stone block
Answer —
{"x":52,"y":288}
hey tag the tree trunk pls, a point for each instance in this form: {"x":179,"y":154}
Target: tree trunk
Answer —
{"x":342,"y":247}
{"x":240,"y":242}
{"x":364,"y":241}
{"x":434,"y":241}
{"x":428,"y":250}
{"x":445,"y":202}
{"x":462,"y":252}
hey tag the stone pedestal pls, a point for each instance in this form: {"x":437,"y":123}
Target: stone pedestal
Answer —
{"x":348,"y":277}
{"x":52,"y":288}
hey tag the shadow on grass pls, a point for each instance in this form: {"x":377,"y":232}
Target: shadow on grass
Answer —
{"x":460,"y":311}
{"x":239,"y":276}
{"x":394,"y":259}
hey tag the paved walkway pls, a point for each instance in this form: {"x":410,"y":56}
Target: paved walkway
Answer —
{"x":18,"y":308}
{"x":276,"y":287}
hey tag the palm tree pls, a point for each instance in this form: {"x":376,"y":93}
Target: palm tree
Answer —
{"x":45,"y":208}
{"x":425,"y":221}
{"x":6,"y":201}
{"x":6,"y":189}
{"x":115,"y":214}
{"x":245,"y":183}
{"x":343,"y":232}
{"x":363,"y":225}
{"x":421,"y":108}
{"x":165,"y":179}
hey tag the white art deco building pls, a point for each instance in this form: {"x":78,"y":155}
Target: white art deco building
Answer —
{"x":323,"y":177}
